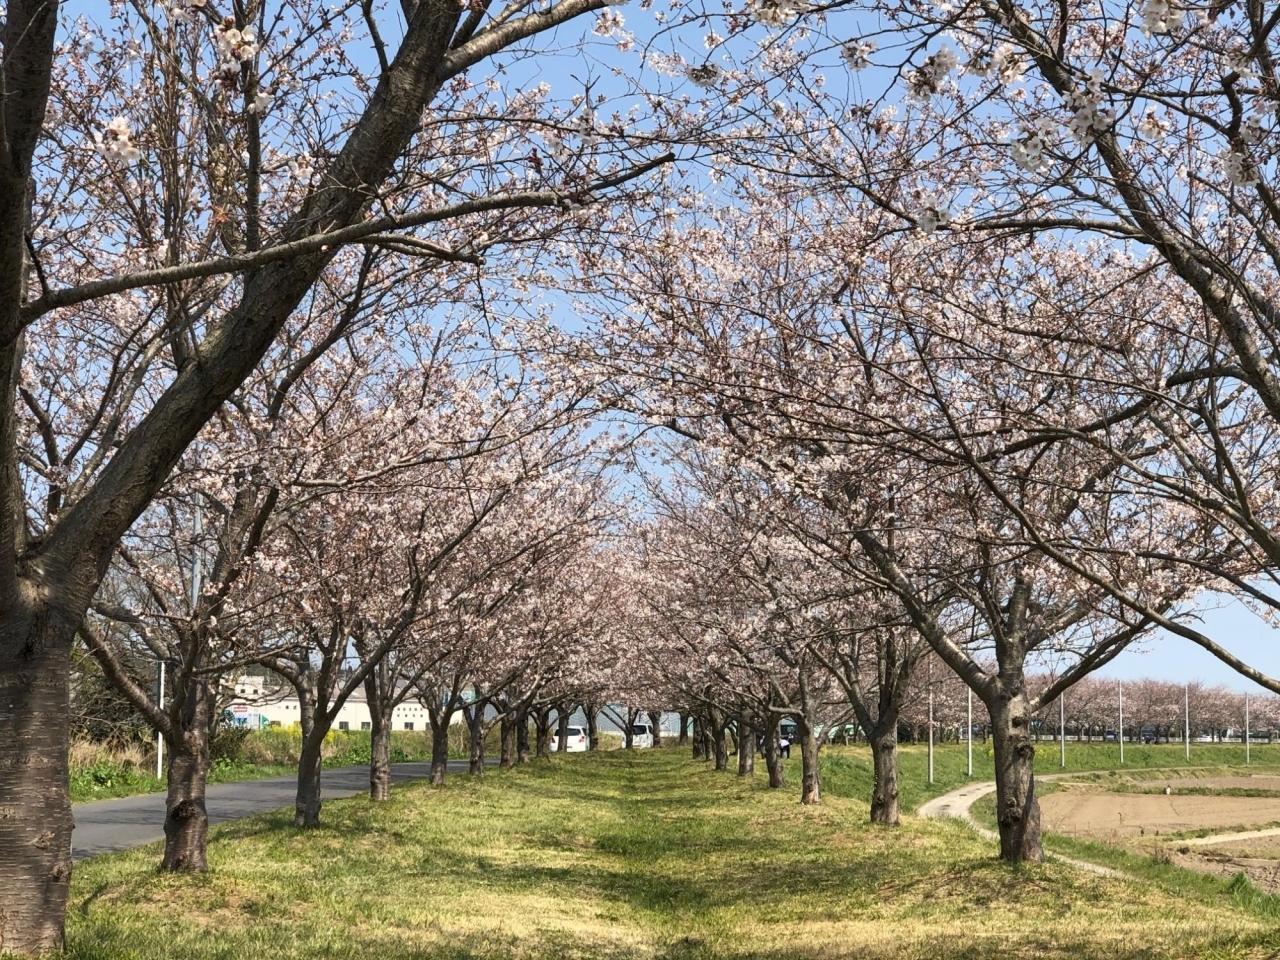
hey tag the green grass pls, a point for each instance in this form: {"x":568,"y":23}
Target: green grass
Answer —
{"x":647,"y":855}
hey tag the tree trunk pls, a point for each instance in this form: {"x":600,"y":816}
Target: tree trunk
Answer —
{"x":439,"y":748}
{"x":746,"y":749}
{"x":1017,"y":809}
{"x":379,"y":694}
{"x":699,"y":741}
{"x":810,"y":779}
{"x":655,"y":725}
{"x":522,"y":737}
{"x":562,"y":729}
{"x":186,"y":820}
{"x":772,"y":756}
{"x":542,"y":733}
{"x":475,"y":727}
{"x":721,"y":747}
{"x":884,"y":788}
{"x":593,"y":727}
{"x":628,"y":731}
{"x":508,"y":744}
{"x":380,"y":754}
{"x":35,"y":807}
{"x":684,"y":730}
{"x":306,"y":810}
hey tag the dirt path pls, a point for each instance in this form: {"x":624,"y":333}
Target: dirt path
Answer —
{"x":1217,"y":838}
{"x":958,"y":802}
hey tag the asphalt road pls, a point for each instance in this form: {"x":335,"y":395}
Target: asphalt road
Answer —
{"x":110,"y":825}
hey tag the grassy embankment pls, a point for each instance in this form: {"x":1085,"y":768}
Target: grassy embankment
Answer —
{"x":633,"y":855}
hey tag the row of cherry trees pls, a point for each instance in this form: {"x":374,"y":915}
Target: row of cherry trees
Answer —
{"x":257,"y":262}
{"x":961,"y":319}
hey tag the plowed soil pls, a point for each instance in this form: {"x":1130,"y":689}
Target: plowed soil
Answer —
{"x":1105,"y":816}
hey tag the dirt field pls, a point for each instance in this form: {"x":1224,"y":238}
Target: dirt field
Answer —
{"x":1082,"y":812}
{"x":1140,"y":821}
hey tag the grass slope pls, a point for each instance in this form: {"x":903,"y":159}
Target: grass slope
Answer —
{"x":628,"y":855}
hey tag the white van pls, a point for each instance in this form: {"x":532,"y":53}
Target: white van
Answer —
{"x":641,"y":735}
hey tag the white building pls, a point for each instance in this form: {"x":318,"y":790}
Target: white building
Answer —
{"x":261,"y":703}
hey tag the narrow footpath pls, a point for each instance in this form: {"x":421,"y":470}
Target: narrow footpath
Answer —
{"x":958,"y":804}
{"x":107,"y":826}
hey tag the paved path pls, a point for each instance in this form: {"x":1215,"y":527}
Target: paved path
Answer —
{"x":958,"y":802}
{"x":106,"y":826}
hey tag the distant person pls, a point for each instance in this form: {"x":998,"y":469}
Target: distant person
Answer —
{"x":784,"y":747}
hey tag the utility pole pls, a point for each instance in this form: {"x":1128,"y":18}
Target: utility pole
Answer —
{"x":969,"y":735}
{"x":197,"y":586}
{"x":931,"y":731}
{"x":1062,"y":732}
{"x":1186,"y":719}
{"x":1246,"y":728}
{"x":1120,"y":736}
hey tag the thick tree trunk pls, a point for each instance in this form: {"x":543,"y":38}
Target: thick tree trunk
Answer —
{"x":542,"y":733}
{"x":186,"y":820}
{"x":1017,"y":809}
{"x":35,"y":808}
{"x":655,"y":724}
{"x":884,"y":788}
{"x":699,"y":741}
{"x":562,"y":728}
{"x":379,"y":754}
{"x":810,"y":779}
{"x":439,"y":748}
{"x":306,"y":808}
{"x":746,"y":749}
{"x":522,"y":737}
{"x":508,"y":736}
{"x":684,"y":730}
{"x":593,"y":727}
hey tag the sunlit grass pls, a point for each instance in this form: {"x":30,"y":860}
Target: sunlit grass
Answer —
{"x":628,"y":855}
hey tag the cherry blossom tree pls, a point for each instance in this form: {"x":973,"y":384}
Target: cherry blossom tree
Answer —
{"x":179,"y":177}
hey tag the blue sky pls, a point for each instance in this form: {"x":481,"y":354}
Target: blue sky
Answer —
{"x":1168,"y":657}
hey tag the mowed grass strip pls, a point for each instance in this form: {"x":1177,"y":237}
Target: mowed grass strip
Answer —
{"x":627,"y":855}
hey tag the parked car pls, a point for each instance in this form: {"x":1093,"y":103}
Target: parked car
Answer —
{"x":575,"y":741}
{"x":641,"y":735}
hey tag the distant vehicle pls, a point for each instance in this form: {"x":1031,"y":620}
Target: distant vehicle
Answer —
{"x":575,"y":741}
{"x":641,"y":735}
{"x":842,"y":733}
